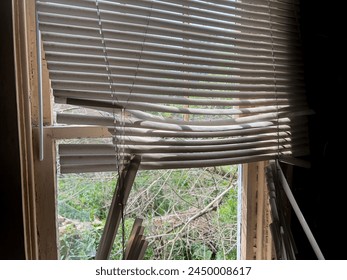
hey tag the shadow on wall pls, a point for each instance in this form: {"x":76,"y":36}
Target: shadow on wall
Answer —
{"x":320,"y":190}
{"x":11,"y":233}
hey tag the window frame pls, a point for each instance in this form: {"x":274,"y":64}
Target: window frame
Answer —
{"x":39,"y":177}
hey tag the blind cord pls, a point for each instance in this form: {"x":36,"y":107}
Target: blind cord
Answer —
{"x":141,"y":52}
{"x":120,"y":152}
{"x":275,"y":79}
{"x":296,"y":11}
{"x":119,"y":159}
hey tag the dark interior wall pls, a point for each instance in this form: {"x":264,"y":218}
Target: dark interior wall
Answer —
{"x":320,"y":190}
{"x":11,"y":222}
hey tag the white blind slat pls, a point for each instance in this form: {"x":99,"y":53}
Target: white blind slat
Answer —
{"x":233,"y":67}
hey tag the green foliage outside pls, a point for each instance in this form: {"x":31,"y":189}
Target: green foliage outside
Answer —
{"x":182,"y":219}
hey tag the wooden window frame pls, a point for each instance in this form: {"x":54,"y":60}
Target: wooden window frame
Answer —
{"x":39,"y":177}
{"x":256,"y":240}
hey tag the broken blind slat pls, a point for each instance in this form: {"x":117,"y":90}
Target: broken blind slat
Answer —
{"x":203,"y":83}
